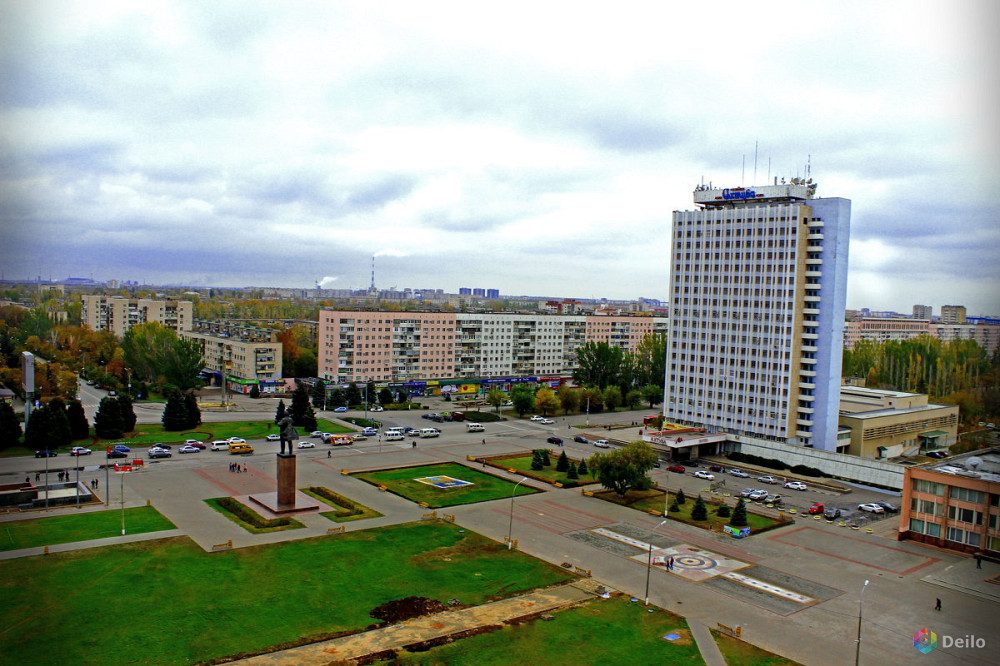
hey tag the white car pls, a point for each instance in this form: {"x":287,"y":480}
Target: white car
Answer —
{"x":546,"y":421}
{"x":871,"y":507}
{"x":306,"y":445}
{"x":80,"y":451}
{"x":602,"y":444}
{"x":795,"y":485}
{"x":220,"y":445}
{"x":358,"y":436}
{"x":702,"y":474}
{"x":236,"y":440}
{"x":187,"y":448}
{"x":536,"y":417}
{"x":377,"y":408}
{"x":757,"y":495}
{"x":316,"y":433}
{"x":273,"y":438}
{"x":194,"y":442}
{"x":767,"y":479}
{"x":739,"y":473}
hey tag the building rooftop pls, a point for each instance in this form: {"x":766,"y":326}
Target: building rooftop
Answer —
{"x":983,"y":464}
{"x":893,"y":411}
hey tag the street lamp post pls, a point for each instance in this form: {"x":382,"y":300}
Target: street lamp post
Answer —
{"x":861,"y":598}
{"x":649,"y":561}
{"x":78,"y":482}
{"x":510,"y":526}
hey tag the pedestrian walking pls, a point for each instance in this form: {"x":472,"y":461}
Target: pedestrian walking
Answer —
{"x":937,"y":606}
{"x":327,"y":454}
{"x":27,"y":480}
{"x":37,"y":476}
{"x":484,"y":442}
{"x":414,"y":443}
{"x":979,"y":562}
{"x":244,"y":468}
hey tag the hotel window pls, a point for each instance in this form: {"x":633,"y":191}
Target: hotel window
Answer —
{"x":974,"y":496}
{"x":929,"y":487}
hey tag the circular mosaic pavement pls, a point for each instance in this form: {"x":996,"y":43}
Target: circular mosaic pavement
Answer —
{"x":694,"y":561}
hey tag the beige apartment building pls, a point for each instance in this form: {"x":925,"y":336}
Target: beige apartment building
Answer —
{"x":887,"y":424}
{"x":118,"y":315}
{"x":402,"y":347}
{"x":244,"y":360}
{"x":954,"y":503}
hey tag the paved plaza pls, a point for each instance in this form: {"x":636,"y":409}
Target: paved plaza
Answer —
{"x":793,"y":590}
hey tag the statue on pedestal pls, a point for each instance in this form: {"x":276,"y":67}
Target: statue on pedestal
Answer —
{"x":287,"y":433}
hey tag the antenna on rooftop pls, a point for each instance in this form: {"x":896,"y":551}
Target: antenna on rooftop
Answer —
{"x":372,"y":288}
{"x":754,"y":162}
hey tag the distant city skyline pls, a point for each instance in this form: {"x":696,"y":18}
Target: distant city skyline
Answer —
{"x":281,"y":145}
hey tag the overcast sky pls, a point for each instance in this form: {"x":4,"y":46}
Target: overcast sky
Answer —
{"x":537,"y":148}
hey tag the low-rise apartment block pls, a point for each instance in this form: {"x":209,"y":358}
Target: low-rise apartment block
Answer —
{"x":377,"y":346}
{"x":246,"y":360}
{"x":118,"y":314}
{"x":954,"y":503}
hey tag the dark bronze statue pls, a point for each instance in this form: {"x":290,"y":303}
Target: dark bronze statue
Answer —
{"x":287,"y":433}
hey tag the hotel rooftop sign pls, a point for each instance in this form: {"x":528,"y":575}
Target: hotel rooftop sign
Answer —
{"x":712,"y":197}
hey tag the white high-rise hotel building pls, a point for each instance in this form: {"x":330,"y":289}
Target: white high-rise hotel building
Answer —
{"x":759,"y":283}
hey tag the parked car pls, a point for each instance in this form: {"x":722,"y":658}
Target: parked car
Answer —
{"x":795,"y":485}
{"x":472,"y":426}
{"x":80,"y":451}
{"x":187,"y":448}
{"x":773,"y":499}
{"x":602,"y":444}
{"x":122,"y":448}
{"x":236,"y":440}
{"x":677,"y":468}
{"x":160,"y":445}
{"x":871,"y":507}
{"x":937,"y":454}
{"x":273,"y":438}
{"x":316,"y":433}
{"x":716,"y":468}
{"x":832,"y":513}
{"x":117,"y":454}
{"x":581,"y":439}
{"x":689,"y":463}
{"x":194,"y":442}
{"x":757,"y":495}
{"x":816,"y":509}
{"x":746,"y":492}
{"x":738,"y":473}
{"x":341,"y":409}
{"x":303,"y":444}
{"x":536,"y":417}
{"x":768,"y":479}
{"x":376,"y":408}
{"x":458,"y":417}
{"x":555,"y":440}
{"x":45,"y":454}
{"x":160,"y":453}
{"x":888,"y":508}
{"x":702,"y":474}
{"x":407,"y":430}
{"x":656,"y":464}
{"x":220,"y":445}
{"x":547,"y":422}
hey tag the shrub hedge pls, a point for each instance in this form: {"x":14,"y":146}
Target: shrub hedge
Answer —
{"x":349,"y":508}
{"x":773,"y":463}
{"x":252,"y":517}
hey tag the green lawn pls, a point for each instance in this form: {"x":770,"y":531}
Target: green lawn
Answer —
{"x":169,"y":602}
{"x":606,"y":632}
{"x":484,"y":486}
{"x":72,"y":527}
{"x":253,"y":529}
{"x":740,"y":653}
{"x":523,"y":464}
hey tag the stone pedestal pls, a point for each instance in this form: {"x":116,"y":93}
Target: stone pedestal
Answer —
{"x":286,"y":480}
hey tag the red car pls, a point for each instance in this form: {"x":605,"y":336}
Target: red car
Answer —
{"x":816,"y":509}
{"x":677,"y":468}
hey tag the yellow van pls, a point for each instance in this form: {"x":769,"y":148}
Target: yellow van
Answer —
{"x":240,"y":448}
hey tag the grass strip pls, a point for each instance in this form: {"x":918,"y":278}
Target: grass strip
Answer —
{"x":402,"y":481}
{"x":84,"y":526}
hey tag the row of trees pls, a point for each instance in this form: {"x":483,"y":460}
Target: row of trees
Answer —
{"x":957,"y":372}
{"x":543,"y":400}
{"x":300,"y":410}
{"x":600,"y":365}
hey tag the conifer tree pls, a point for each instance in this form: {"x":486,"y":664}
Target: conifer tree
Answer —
{"x":699,"y":511}
{"x":571,"y":473}
{"x":680,"y":499}
{"x":739,"y":518}
{"x":108,"y":419}
{"x":280,"y":413}
{"x":79,"y":427}
{"x":562,"y":464}
{"x":581,"y":469}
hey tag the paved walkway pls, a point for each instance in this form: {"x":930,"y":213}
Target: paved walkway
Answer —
{"x":430,"y":627}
